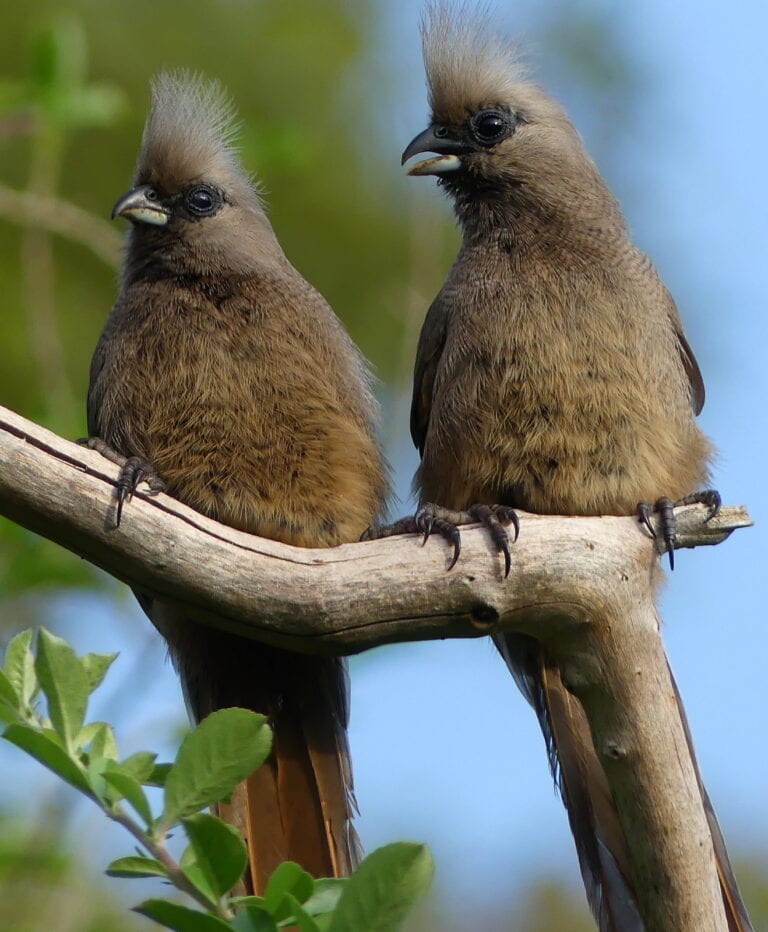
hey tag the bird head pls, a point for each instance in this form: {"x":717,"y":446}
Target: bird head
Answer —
{"x":498,"y":139}
{"x":191,"y":201}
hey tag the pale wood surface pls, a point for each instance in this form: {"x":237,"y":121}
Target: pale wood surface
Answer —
{"x":584,"y":586}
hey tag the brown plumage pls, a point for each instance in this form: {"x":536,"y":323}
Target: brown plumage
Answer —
{"x":231,"y":377}
{"x":552,"y":374}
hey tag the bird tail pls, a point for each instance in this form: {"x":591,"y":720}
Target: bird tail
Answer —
{"x":299,"y":805}
{"x":600,"y":843}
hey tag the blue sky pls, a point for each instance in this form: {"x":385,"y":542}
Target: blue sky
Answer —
{"x":445,"y":748}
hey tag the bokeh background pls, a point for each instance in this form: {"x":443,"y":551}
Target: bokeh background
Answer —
{"x":671,"y":100}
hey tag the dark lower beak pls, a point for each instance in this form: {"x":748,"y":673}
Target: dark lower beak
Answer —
{"x":435,"y":139}
{"x":141,"y":205}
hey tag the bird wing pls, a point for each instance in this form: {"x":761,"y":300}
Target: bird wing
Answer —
{"x":687,"y":357}
{"x":428,"y":355}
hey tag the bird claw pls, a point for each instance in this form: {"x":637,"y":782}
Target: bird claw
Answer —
{"x":665,"y":509}
{"x":133,"y":470}
{"x":434,"y":519}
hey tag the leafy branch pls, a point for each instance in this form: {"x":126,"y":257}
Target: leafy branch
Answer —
{"x":213,"y":758}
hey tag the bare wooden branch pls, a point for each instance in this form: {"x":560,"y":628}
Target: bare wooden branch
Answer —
{"x":583,"y":586}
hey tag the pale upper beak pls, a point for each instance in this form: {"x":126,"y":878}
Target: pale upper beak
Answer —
{"x":435,"y":138}
{"x":141,"y":205}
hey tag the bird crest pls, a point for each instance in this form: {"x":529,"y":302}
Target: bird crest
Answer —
{"x":468,"y":64}
{"x":189,"y":134}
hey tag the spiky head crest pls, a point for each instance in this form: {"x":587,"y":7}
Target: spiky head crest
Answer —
{"x":189,"y":136}
{"x":468,"y":64}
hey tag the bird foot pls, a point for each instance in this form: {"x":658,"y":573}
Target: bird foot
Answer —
{"x":133,"y":470}
{"x":431,"y":518}
{"x":665,"y":509}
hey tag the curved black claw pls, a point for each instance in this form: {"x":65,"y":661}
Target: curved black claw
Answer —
{"x":709,"y":497}
{"x":432,"y":518}
{"x":133,"y":471}
{"x":491,"y":517}
{"x":665,"y":508}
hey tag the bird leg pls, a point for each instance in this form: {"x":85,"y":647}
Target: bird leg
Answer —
{"x":431,"y":518}
{"x":664,"y":507}
{"x":133,"y":470}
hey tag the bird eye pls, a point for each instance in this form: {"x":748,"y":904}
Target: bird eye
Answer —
{"x":490,"y":126}
{"x":202,"y":200}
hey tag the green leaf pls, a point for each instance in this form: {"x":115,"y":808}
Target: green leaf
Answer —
{"x":254,"y":919}
{"x":299,"y":916}
{"x":224,"y":749}
{"x":181,"y":918}
{"x":288,"y":878}
{"x":20,"y":667}
{"x":44,"y":748}
{"x":325,"y":895}
{"x":140,"y":765}
{"x":8,"y":711}
{"x":220,"y":852}
{"x":247,"y":901}
{"x":100,"y":737}
{"x":132,"y":791}
{"x":158,"y":776}
{"x":196,"y":876}
{"x":381,"y":892}
{"x":65,"y":684}
{"x":136,"y":867}
{"x":95,"y":769}
{"x":8,"y":698}
{"x":96,"y":666}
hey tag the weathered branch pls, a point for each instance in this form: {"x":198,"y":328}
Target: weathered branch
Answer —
{"x":583,"y":586}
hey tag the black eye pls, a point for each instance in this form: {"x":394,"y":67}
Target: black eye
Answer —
{"x":490,"y":126}
{"x":202,"y":200}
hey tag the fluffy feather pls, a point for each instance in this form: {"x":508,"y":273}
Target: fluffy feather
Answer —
{"x":189,"y":135}
{"x":467,"y":64}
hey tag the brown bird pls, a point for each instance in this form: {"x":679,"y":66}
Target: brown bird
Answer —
{"x":226,"y":378}
{"x":552,"y":375}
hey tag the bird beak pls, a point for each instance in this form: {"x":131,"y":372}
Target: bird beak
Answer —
{"x":141,"y":205}
{"x":435,"y":139}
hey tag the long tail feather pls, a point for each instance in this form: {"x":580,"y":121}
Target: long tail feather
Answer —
{"x":299,"y":805}
{"x":602,"y":849}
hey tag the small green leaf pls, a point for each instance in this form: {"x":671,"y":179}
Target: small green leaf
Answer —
{"x":100,"y":737}
{"x":325,"y":895}
{"x":95,"y":769}
{"x":181,"y":918}
{"x":220,"y":852}
{"x":299,"y":916}
{"x":8,"y":712}
{"x":136,"y":867}
{"x":45,"y":748}
{"x":196,"y":876}
{"x":8,"y":694}
{"x":254,"y":919}
{"x":132,"y":791}
{"x":247,"y":901}
{"x":139,"y":765}
{"x":20,"y":667}
{"x":65,"y":684}
{"x":381,"y":892}
{"x":289,"y":877}
{"x":158,"y":776}
{"x":224,"y":749}
{"x":96,"y":666}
